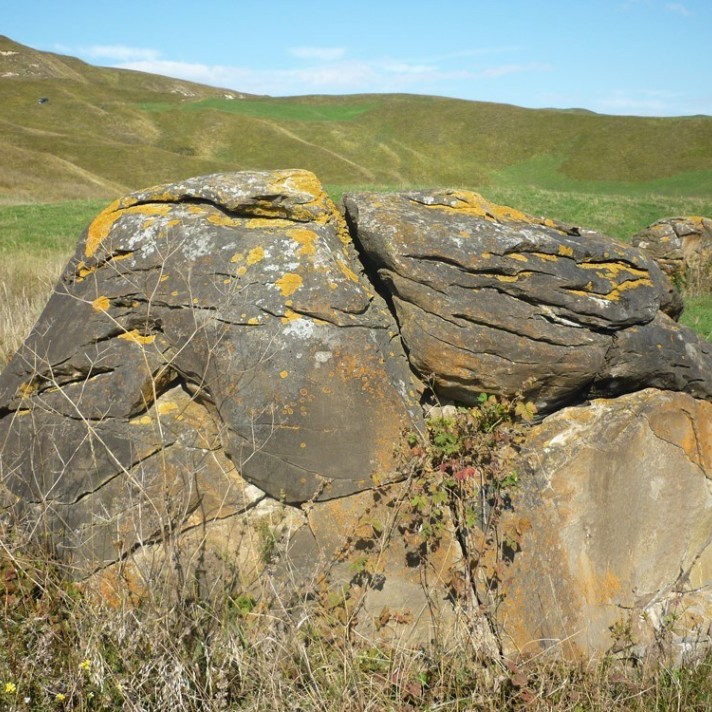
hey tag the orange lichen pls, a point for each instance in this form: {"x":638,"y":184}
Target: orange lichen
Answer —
{"x":222,"y":220}
{"x":257,"y":223}
{"x":346,"y":271}
{"x":143,"y":420}
{"x":102,"y":224}
{"x":289,"y":316}
{"x":137,"y":338}
{"x":306,"y":238}
{"x":166,"y":407}
{"x":474,"y":204}
{"x":255,"y":255}
{"x":289,"y":283}
{"x":283,"y":374}
{"x":611,"y":270}
{"x":545,"y":256}
{"x":101,"y":304}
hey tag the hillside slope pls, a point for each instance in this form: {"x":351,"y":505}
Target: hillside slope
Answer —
{"x":102,"y":132}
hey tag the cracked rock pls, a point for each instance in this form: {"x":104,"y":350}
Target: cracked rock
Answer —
{"x":489,"y":299}
{"x":240,"y":295}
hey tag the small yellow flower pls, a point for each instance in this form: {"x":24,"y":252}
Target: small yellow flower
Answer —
{"x":10,"y":688}
{"x":60,"y":697}
{"x":85,"y":665}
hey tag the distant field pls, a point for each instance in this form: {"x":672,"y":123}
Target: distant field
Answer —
{"x":42,"y":227}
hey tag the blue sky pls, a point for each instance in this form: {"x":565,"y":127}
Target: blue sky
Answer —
{"x":643,"y":57}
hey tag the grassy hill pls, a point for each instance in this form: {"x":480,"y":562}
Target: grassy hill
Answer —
{"x":102,"y":132}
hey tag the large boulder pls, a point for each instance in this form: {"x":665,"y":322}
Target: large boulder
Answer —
{"x":216,"y":397}
{"x":208,"y":338}
{"x":682,"y":246}
{"x":490,"y":299}
{"x":615,"y":506}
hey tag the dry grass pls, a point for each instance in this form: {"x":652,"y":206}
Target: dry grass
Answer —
{"x":60,"y":649}
{"x":26,"y":281}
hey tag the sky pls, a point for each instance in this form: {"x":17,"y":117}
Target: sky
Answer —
{"x":639,"y":57}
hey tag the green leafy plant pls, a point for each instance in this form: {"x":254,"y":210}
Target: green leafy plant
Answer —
{"x":464,"y":479}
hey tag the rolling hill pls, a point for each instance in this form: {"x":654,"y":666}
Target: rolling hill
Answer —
{"x":69,"y":130}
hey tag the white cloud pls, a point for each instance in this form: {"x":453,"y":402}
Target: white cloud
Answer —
{"x":121,"y":53}
{"x":679,"y":8}
{"x":383,"y":75}
{"x":327,"y":70}
{"x":323,"y":54}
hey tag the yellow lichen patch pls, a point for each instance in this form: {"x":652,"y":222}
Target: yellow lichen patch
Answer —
{"x":221,"y":220}
{"x":101,"y":226}
{"x":102,"y":223}
{"x":289,"y":316}
{"x":612,"y":270}
{"x":255,"y":255}
{"x":305,"y":181}
{"x":175,"y":293}
{"x":101,"y":304}
{"x":579,"y":292}
{"x":123,"y":256}
{"x":518,"y":257}
{"x":167,"y":407}
{"x":137,"y":338}
{"x":257,"y":223}
{"x":615,"y":293}
{"x":512,"y":277}
{"x":143,"y":420}
{"x":238,"y":257}
{"x":27,"y":389}
{"x":172,"y":223}
{"x":283,"y":374}
{"x":306,"y":238}
{"x":196,"y":209}
{"x":343,"y":233}
{"x":253,"y":321}
{"x":545,"y":256}
{"x":241,"y":271}
{"x":474,"y":204}
{"x":289,"y":283}
{"x":164,"y":277}
{"x":566,"y":251}
{"x":347,"y":271}
{"x":83,"y":270}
